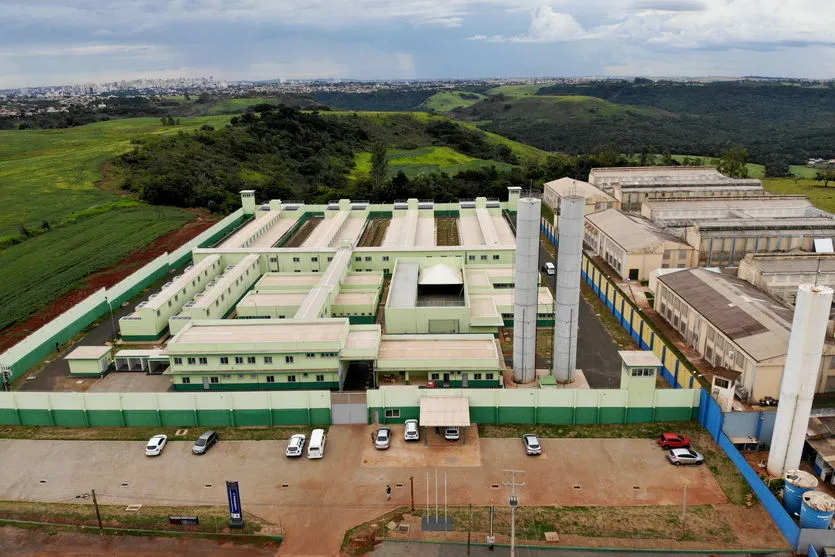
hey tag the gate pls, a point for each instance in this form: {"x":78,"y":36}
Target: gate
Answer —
{"x":349,"y":408}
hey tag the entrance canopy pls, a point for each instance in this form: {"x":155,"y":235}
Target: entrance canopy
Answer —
{"x":436,"y":411}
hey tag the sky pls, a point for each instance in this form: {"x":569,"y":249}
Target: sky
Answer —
{"x":51,"y":42}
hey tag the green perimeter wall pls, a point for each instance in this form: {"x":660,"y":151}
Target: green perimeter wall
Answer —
{"x":46,"y":340}
{"x":166,"y":409}
{"x":543,"y":406}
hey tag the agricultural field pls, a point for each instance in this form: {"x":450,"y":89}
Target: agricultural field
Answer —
{"x":447,"y":101}
{"x":45,"y":267}
{"x":426,"y":159}
{"x":57,"y":225}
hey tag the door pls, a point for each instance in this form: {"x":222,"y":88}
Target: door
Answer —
{"x":205,"y":383}
{"x":446,"y":379}
{"x":349,"y":408}
{"x":464,"y":379}
{"x":633,"y":274}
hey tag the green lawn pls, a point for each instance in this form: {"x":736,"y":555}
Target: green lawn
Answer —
{"x":426,"y":159}
{"x":447,"y":101}
{"x":803,"y":171}
{"x":822,"y":197}
{"x":515,"y":90}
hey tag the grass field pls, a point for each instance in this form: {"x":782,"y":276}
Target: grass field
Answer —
{"x":447,"y":101}
{"x":50,"y":265}
{"x":426,"y":159}
{"x":803,"y":171}
{"x":822,"y":197}
{"x":515,"y":90}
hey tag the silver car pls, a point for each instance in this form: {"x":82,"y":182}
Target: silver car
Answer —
{"x":382,"y":438}
{"x":685,"y":456}
{"x":411,"y":431}
{"x":531,"y":442}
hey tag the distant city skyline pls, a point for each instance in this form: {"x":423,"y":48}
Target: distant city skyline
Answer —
{"x":55,"y":42}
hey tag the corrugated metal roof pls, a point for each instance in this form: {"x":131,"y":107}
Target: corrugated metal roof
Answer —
{"x":436,"y":411}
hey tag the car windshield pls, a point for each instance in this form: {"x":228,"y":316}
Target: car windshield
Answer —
{"x":200,"y":442}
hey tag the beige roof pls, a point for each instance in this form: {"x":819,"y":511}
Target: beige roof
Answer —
{"x":639,"y":358}
{"x":566,"y":186}
{"x":88,"y":353}
{"x":272,"y":299}
{"x":440,"y":274}
{"x":362,"y":342}
{"x":442,"y":411}
{"x":439,"y":352}
{"x":664,"y":176}
{"x":631,"y":232}
{"x":288,"y":279}
{"x":355,"y":298}
{"x":355,"y":279}
{"x":483,"y":306}
{"x":256,"y":331}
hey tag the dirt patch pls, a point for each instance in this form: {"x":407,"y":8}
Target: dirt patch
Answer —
{"x":374,"y":232}
{"x":108,"y":277}
{"x":363,"y":538}
{"x":446,"y":230}
{"x":303,"y":233}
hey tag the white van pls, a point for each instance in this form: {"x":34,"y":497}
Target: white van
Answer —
{"x":549,"y":268}
{"x":316,"y":447}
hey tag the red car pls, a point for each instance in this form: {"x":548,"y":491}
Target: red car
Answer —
{"x":673,"y":441}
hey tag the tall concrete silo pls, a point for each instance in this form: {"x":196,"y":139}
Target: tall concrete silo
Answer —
{"x":526,"y":295}
{"x":800,"y":376}
{"x":567,"y":296}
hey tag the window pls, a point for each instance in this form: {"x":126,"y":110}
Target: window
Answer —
{"x":271,"y":379}
{"x":178,"y":361}
{"x":385,"y":258}
{"x":214,"y":380}
{"x":314,"y":259}
{"x":367,"y":258}
{"x":393,"y":413}
{"x":268,"y":359}
{"x":682,"y":254}
{"x":288,"y":359}
{"x":295,"y":260}
{"x":435,"y":376}
{"x":310,"y":355}
{"x":387,"y":271}
{"x":320,"y":378}
{"x":476,"y":376}
{"x":204,"y":361}
{"x":250,"y":359}
{"x":239,"y":359}
{"x":224,"y":360}
{"x":191,"y":361}
{"x":471,"y":258}
{"x":358,"y":259}
{"x":291,"y":378}
{"x":186,"y":380}
{"x":722,"y":383}
{"x":330,"y":259}
{"x":489,"y":376}
{"x":484,"y":258}
{"x":495,"y":258}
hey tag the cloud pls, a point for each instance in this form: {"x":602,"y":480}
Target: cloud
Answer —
{"x":671,"y":5}
{"x":547,"y":26}
{"x":54,"y":51}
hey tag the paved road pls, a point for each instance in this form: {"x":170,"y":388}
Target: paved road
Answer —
{"x":406,"y":549}
{"x":597,"y":354}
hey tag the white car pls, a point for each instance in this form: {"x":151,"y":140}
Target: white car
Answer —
{"x":295,"y":446}
{"x":382,"y":438}
{"x":155,"y":445}
{"x":452,"y":433}
{"x":411,"y":431}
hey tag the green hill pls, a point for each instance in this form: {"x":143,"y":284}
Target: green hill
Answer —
{"x":413,"y":162}
{"x":447,"y":101}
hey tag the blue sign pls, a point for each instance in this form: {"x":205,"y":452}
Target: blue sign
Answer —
{"x":233,"y":493}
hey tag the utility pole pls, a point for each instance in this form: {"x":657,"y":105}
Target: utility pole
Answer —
{"x":513,"y":502}
{"x":98,"y":514}
{"x":469,"y":527}
{"x":412,"y":489}
{"x":683,"y":509}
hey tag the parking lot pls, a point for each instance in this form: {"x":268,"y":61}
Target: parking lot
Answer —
{"x":350,"y":481}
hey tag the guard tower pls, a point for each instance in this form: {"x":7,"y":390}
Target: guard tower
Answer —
{"x":639,"y":370}
{"x":514,"y":193}
{"x":248,"y":201}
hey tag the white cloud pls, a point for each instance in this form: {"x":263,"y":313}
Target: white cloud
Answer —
{"x":547,"y":26}
{"x":54,"y":51}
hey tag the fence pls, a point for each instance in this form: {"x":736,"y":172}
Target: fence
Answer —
{"x":677,"y":370}
{"x":210,"y":409}
{"x":21,"y":357}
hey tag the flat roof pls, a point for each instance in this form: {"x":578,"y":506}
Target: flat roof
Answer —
{"x":365,"y":340}
{"x":426,"y":235}
{"x":355,"y":298}
{"x":791,"y":263}
{"x":766,"y":202}
{"x":631,"y":232}
{"x":483,"y":306}
{"x":240,"y":237}
{"x":288,"y":279}
{"x":269,"y":238}
{"x":179,"y":283}
{"x":403,"y":288}
{"x":358,"y":279}
{"x":756,"y":322}
{"x":569,"y":186}
{"x":439,"y":351}
{"x":267,"y":299}
{"x":88,"y":353}
{"x":665,"y":176}
{"x":256,"y":331}
{"x":442,"y":411}
{"x":639,"y":358}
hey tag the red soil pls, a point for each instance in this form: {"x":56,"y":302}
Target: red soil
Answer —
{"x":108,"y":277}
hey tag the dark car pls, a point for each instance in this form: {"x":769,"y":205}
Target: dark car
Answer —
{"x":204,"y":442}
{"x":673,"y":441}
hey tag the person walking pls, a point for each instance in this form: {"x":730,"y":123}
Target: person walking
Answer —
{"x":388,"y":493}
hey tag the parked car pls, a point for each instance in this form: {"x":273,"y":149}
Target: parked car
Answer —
{"x":204,"y":442}
{"x":155,"y":445}
{"x":673,"y":441}
{"x":685,"y":456}
{"x":295,"y":446}
{"x":411,"y":431}
{"x":382,"y":438}
{"x":549,"y":268}
{"x":531,"y":442}
{"x":452,"y":433}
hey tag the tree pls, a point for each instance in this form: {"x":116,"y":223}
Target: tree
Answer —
{"x":379,"y":165}
{"x":733,"y":162}
{"x":825,"y":176}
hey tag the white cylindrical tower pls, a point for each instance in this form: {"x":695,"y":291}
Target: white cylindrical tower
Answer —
{"x":526,"y":295}
{"x":800,"y":376}
{"x":567,"y":296}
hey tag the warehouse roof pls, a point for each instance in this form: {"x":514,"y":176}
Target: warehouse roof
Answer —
{"x":568,"y":186}
{"x":661,"y":176}
{"x":257,"y":331}
{"x":792,"y":263}
{"x":88,"y":353}
{"x":631,"y":232}
{"x":757,"y":323}
{"x":401,"y":352}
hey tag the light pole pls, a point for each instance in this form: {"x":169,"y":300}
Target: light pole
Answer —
{"x":112,"y":321}
{"x":513,"y":502}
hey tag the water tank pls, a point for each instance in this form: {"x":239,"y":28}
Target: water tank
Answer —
{"x":817,"y":510}
{"x":797,"y":483}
